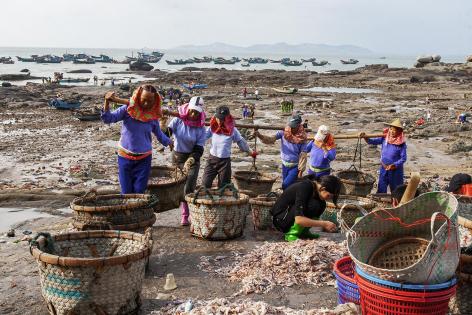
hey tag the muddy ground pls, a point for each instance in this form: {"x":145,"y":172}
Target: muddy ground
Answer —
{"x":48,"y":156}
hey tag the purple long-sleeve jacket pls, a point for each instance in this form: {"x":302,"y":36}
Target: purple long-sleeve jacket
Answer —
{"x":318,"y":157}
{"x":135,"y":135}
{"x":390,"y":153}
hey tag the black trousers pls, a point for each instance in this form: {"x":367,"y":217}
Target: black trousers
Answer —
{"x":217,"y":167}
{"x":179,"y":159}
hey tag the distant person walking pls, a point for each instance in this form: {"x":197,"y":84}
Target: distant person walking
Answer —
{"x":95,"y":80}
{"x":244,"y":92}
{"x":256,"y":93}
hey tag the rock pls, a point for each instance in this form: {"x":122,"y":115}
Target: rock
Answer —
{"x":15,"y":77}
{"x":80,"y":71}
{"x":374,"y":67}
{"x":125,"y":87}
{"x":27,"y":232}
{"x":6,"y":84}
{"x":11,"y":233}
{"x":190,"y":69}
{"x":24,"y":70}
{"x":469,"y":58}
{"x":436,"y":58}
{"x":425,"y":59}
{"x":140,"y":66}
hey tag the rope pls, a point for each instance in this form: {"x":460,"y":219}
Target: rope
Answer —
{"x":353,"y":165}
{"x":231,"y":187}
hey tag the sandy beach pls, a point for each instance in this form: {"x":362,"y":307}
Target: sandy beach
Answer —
{"x":48,"y":157}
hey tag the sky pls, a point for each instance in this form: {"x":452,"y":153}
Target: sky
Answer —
{"x":383,"y":26}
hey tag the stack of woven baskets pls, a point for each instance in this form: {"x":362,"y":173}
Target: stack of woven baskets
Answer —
{"x":403,"y":260}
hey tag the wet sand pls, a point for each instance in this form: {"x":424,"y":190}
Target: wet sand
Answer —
{"x":47,"y":151}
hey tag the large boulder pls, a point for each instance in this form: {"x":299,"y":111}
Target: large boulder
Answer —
{"x":425,"y":59}
{"x":469,"y":58}
{"x":80,"y":71}
{"x":15,"y":77}
{"x":6,"y":84}
{"x":140,"y":66}
{"x":24,"y":70}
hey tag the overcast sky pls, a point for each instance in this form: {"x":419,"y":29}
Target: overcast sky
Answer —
{"x":384,"y":26}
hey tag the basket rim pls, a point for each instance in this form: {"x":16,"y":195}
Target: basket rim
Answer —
{"x":243,"y":199}
{"x":390,"y":243}
{"x":74,"y":205}
{"x":407,"y":286}
{"x":262,"y":201}
{"x":179,"y":180}
{"x":338,"y":272}
{"x":350,"y":181}
{"x":123,"y":227}
{"x":369,"y":203}
{"x":95,"y":261}
{"x":268,"y":179}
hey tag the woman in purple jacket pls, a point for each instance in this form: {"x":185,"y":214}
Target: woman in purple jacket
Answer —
{"x":392,"y":156}
{"x":140,"y":115}
{"x":322,"y":152}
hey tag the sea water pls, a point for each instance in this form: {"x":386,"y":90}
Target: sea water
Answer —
{"x":106,"y":70}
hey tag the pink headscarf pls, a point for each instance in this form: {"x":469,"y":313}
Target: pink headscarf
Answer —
{"x":183,"y":113}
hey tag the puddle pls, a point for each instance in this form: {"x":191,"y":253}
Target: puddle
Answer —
{"x":340,"y":90}
{"x":11,"y":216}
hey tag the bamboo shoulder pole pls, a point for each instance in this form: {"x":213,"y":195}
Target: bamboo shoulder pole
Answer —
{"x":410,"y":191}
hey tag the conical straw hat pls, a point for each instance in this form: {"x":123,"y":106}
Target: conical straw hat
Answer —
{"x":396,"y":123}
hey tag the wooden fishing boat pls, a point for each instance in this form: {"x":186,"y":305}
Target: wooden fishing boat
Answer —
{"x":74,"y":80}
{"x":319,"y":64}
{"x":349,"y":62}
{"x":61,"y":104}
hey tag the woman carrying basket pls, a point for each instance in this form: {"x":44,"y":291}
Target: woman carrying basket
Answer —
{"x":189,"y":132}
{"x":222,"y":133}
{"x":392,"y":156}
{"x":140,"y":115}
{"x":292,"y":151}
{"x":322,"y":152}
{"x":301,"y":204}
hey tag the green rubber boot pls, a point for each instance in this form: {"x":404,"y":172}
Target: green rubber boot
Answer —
{"x":294,"y":233}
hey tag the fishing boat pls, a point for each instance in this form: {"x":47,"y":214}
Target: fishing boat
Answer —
{"x":131,"y":59}
{"x":61,"y":104}
{"x":309,"y":60}
{"x":236,"y":59}
{"x":68,"y":57}
{"x":286,"y":90}
{"x":148,"y":58}
{"x":197,"y":86}
{"x":102,"y":59}
{"x":202,"y":60}
{"x":6,"y":60}
{"x":245,"y":64}
{"x":279,"y":60}
{"x":257,"y":60}
{"x":86,"y":61}
{"x":74,"y":80}
{"x":292,"y":63}
{"x":178,"y":62}
{"x":223,"y":61}
{"x":157,"y":54}
{"x":49,"y":59}
{"x":349,"y":62}
{"x":319,"y":64}
{"x":31,"y":59}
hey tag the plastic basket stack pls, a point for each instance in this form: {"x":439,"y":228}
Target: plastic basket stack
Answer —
{"x":406,"y":257}
{"x":217,"y":214}
{"x":348,"y":290}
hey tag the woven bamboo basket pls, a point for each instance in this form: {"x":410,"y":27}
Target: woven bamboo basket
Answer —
{"x":399,"y":254}
{"x":349,"y":205}
{"x":92,"y":272}
{"x":355,"y":183}
{"x":168,"y":184}
{"x":255,"y":182}
{"x":260,"y":209}
{"x":131,"y":212}
{"x":382,"y":200}
{"x":431,"y":216}
{"x":217,"y":214}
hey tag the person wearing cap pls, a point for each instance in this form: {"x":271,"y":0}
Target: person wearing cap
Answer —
{"x":322,"y":151}
{"x":392,"y":156}
{"x":301,"y":204}
{"x":189,"y":132}
{"x":223,"y":133}
{"x":140,"y":115}
{"x":293,"y":141}
{"x":460,"y":184}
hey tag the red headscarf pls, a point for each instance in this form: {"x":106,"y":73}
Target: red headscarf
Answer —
{"x":399,"y":139}
{"x":226,"y":127}
{"x":136,"y":111}
{"x":299,"y":136}
{"x":327,"y":143}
